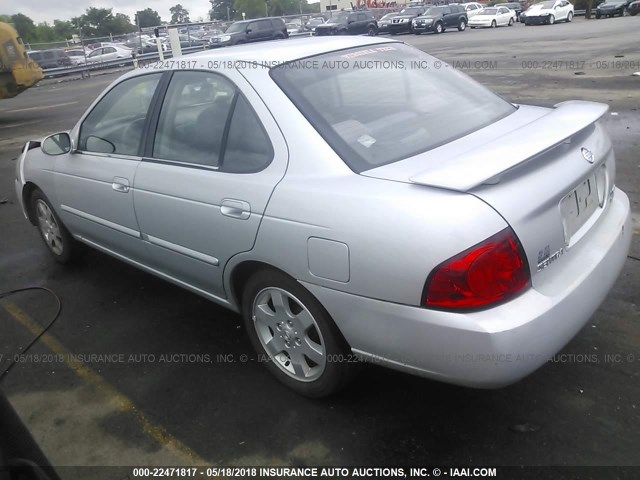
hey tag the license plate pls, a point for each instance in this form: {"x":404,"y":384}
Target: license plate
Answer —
{"x":578,"y":206}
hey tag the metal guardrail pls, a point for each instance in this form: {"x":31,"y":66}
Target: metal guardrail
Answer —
{"x":88,"y":67}
{"x":141,"y":58}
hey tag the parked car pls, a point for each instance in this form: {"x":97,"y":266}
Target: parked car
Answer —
{"x":107,"y":54}
{"x":51,"y":58}
{"x":311,"y":25}
{"x":249,"y":31}
{"x":409,"y":251}
{"x":611,"y":8}
{"x":548,"y":12}
{"x":493,"y":17}
{"x":385,"y":20}
{"x":349,"y":23}
{"x":76,"y":55}
{"x":438,"y":19}
{"x":634,"y":8}
{"x":294,"y":28}
{"x":472,"y":8}
{"x":515,"y":6}
{"x":402,"y":22}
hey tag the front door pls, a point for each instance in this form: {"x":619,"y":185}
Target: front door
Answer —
{"x":94,"y":184}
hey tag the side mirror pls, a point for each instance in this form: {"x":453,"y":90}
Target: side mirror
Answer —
{"x":249,"y":30}
{"x":57,"y":144}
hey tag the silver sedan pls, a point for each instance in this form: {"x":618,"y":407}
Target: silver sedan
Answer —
{"x":352,"y":199}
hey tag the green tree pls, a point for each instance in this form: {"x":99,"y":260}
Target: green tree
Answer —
{"x":148,"y":18}
{"x":251,"y":8}
{"x":24,"y":26}
{"x":220,"y":9}
{"x":120,"y":24}
{"x":63,"y":29}
{"x":179,"y":14}
{"x":5,"y":18}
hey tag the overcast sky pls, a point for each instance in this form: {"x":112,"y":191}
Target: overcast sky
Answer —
{"x":48,"y":10}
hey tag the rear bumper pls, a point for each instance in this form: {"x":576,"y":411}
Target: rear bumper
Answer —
{"x":495,"y":347}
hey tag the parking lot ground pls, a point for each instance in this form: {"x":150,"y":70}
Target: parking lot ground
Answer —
{"x":139,"y":372}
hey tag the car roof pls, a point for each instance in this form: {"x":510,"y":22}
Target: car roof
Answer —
{"x":287,"y":50}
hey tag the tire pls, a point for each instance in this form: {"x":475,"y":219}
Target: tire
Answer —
{"x":372,"y":32}
{"x":510,"y":24}
{"x":552,"y":20}
{"x":569,"y":17}
{"x":279,"y":36}
{"x":439,"y":28}
{"x":54,"y":234}
{"x":494,"y":24}
{"x":462,"y":26}
{"x":598,"y":16}
{"x":280,"y":316}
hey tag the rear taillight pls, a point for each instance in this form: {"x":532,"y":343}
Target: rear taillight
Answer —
{"x":489,"y":273}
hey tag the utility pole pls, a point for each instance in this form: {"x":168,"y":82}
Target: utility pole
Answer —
{"x":84,"y":51}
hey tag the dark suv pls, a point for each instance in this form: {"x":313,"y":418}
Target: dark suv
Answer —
{"x":246,"y":31}
{"x":402,"y":22}
{"x":438,"y":19}
{"x":53,"y":58}
{"x":349,"y":23}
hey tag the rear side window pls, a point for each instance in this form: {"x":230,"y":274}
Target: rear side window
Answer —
{"x":248,"y":148}
{"x":205,"y":121}
{"x":277,"y":24}
{"x":372,"y":117}
{"x":193,"y":118}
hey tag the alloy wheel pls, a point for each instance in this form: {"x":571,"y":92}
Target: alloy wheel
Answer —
{"x":289,"y":334}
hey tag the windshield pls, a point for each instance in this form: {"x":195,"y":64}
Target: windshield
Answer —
{"x":433,"y":11}
{"x":236,"y":27}
{"x":388,"y":16}
{"x":341,"y":18}
{"x":488,"y":11}
{"x":411,"y":11}
{"x":387,"y":102}
{"x":544,"y":5}
{"x":315,"y":21}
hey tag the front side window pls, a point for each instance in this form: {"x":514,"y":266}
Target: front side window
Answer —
{"x":116,"y":123}
{"x":374,"y":116}
{"x":193,"y":118}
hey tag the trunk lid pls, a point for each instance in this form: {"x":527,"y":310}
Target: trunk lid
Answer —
{"x":547,"y":172}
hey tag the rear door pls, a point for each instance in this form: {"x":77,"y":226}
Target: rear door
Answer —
{"x":210,"y":166}
{"x":449,"y":19}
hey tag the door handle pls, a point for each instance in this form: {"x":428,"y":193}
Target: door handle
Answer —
{"x":235,"y":209}
{"x":120,"y":184}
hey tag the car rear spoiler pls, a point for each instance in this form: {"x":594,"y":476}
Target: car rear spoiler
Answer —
{"x":482,"y":165}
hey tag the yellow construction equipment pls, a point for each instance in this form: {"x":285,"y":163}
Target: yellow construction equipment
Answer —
{"x":17,"y":71}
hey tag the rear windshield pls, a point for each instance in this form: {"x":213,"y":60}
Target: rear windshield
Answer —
{"x":379,"y":104}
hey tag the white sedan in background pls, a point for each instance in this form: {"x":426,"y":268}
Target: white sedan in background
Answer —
{"x":493,"y":17}
{"x":548,"y":12}
{"x":107,"y":54}
{"x":472,"y":8}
